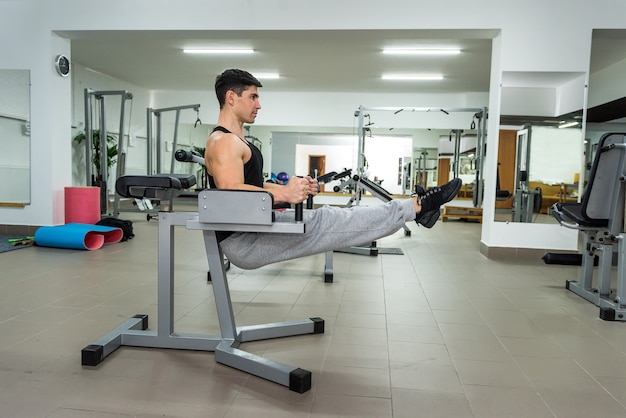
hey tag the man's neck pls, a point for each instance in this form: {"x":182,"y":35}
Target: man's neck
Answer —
{"x":233,"y":125}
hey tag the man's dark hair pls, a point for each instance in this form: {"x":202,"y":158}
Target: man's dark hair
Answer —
{"x":235,"y":80}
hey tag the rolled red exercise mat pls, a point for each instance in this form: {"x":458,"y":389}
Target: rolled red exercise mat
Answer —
{"x":82,"y":205}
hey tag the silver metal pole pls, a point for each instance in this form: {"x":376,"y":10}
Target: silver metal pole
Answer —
{"x":121,"y":151}
{"x":88,"y":138}
{"x":174,"y":141}
{"x":104,"y":169}
{"x":477,"y":198}
{"x":158,"y":167}
{"x":149,"y":141}
{"x":457,"y":152}
{"x":361,"y":145}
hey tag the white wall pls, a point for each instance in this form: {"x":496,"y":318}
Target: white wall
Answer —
{"x":26,"y":30}
{"x":555,"y":154}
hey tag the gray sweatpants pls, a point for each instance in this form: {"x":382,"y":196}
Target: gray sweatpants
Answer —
{"x":327,"y":228}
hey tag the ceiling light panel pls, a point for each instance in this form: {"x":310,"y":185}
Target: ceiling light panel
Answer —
{"x":218,"y":51}
{"x":421,"y":51}
{"x":412,"y":77}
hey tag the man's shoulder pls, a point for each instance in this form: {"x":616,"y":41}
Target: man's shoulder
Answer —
{"x":224,"y":137}
{"x":222,"y":140}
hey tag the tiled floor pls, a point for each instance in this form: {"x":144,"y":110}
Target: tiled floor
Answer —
{"x":440,"y":331}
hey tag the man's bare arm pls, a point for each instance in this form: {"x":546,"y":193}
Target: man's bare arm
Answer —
{"x":225,"y":157}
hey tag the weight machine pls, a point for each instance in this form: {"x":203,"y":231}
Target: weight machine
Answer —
{"x":525,"y":199}
{"x":153,"y":117}
{"x":600,"y":218}
{"x":101,"y":180}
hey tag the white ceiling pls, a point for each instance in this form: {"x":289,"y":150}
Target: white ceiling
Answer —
{"x":323,"y":61}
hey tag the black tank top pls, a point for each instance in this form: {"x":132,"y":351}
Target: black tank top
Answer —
{"x":252,"y":170}
{"x":252,"y":174}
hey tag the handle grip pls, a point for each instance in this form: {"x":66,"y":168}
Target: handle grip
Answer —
{"x":299,"y":212}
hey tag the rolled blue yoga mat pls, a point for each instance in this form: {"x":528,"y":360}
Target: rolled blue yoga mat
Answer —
{"x":77,"y":236}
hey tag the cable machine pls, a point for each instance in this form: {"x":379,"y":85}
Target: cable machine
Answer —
{"x":155,"y":115}
{"x":524,"y":198}
{"x":100,"y":180}
{"x":152,"y":116}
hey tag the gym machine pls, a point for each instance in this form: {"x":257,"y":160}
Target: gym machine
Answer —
{"x":600,"y":217}
{"x":102,"y":179}
{"x":153,"y":117}
{"x":524,"y":198}
{"x":218,"y":210}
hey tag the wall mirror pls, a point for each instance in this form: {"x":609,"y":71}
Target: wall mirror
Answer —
{"x":540,"y":152}
{"x":606,"y":109}
{"x":15,"y":137}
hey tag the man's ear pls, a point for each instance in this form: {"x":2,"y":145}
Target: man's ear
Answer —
{"x":230,"y":97}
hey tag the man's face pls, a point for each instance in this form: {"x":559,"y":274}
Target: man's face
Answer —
{"x":247,"y":105}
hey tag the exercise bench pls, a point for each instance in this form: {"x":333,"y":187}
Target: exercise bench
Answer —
{"x":600,"y":217}
{"x":218,"y":210}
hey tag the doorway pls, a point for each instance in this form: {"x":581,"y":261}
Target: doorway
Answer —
{"x":443,"y":171}
{"x":317,"y":167}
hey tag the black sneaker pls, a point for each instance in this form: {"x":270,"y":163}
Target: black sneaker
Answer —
{"x":432,"y":199}
{"x":427,"y":220}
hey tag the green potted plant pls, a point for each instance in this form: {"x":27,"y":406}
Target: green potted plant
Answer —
{"x":96,"y":156}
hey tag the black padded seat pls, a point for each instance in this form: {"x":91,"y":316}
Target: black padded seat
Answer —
{"x":574,"y":211}
{"x":128,"y":186}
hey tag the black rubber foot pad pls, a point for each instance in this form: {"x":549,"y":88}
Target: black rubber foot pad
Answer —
{"x":300,"y":380}
{"x":144,"y":320}
{"x":92,"y":355}
{"x":607,"y":314}
{"x":318,"y":325}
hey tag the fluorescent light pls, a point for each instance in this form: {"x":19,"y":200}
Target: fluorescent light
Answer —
{"x":217,"y":51}
{"x":412,"y":77}
{"x":266,"y":76}
{"x":567,"y":125}
{"x":422,"y":51}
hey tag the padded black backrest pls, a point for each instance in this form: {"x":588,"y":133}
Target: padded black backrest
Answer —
{"x":604,"y":183}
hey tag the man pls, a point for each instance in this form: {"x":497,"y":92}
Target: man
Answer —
{"x":234,"y":163}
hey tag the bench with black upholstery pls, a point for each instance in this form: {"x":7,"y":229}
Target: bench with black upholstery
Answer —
{"x":600,"y":217}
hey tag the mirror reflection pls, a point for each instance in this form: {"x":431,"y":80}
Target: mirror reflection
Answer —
{"x":606,"y":108}
{"x":15,"y":137}
{"x":540,"y":144}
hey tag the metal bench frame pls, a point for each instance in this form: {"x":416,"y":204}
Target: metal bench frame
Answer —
{"x":600,"y":217}
{"x":219,"y":210}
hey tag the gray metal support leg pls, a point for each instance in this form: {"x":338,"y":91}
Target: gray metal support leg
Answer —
{"x":328,"y":267}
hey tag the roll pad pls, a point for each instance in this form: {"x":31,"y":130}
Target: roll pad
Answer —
{"x":129,"y":186}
